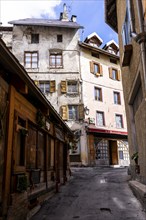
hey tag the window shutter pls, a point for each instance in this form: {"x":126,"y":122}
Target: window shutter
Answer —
{"x":91,"y":67}
{"x":81,"y":112}
{"x":63,"y":85}
{"x":119,"y":98}
{"x":101,"y":70}
{"x":119,"y":75}
{"x":52,"y":86}
{"x":110,"y":72}
{"x":36,"y":82}
{"x":64,"y":112}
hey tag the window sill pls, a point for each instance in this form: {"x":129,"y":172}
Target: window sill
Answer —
{"x":127,"y":55}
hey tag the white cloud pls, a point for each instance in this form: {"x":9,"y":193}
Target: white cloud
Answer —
{"x":18,"y":9}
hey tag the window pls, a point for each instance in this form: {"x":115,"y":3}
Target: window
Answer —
{"x":100,"y":118}
{"x":117,"y":99}
{"x":59,"y":38}
{"x":95,"y":54}
{"x":119,"y":121}
{"x":35,"y":148}
{"x":96,"y":68}
{"x":70,"y":87}
{"x":113,"y":60}
{"x":98,"y":94}
{"x":121,"y":156}
{"x":47,"y":86}
{"x":101,"y":148}
{"x":56,"y":60}
{"x":114,"y":74}
{"x":128,"y":23}
{"x":34,"y":38}
{"x":31,"y":59}
{"x":72,"y":112}
{"x":19,"y":141}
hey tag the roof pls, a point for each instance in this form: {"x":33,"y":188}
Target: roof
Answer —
{"x":46,"y":22}
{"x":111,"y":14}
{"x":16,"y":71}
{"x":95,"y":37}
{"x":97,"y":49}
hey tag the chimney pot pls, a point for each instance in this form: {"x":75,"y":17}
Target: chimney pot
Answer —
{"x":73,"y":18}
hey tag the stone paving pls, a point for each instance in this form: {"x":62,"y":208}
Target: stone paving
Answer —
{"x":94,"y":194}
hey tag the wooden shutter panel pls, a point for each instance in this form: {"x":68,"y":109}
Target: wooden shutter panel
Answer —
{"x":101,"y":70}
{"x":36,"y":82}
{"x":64,"y":112}
{"x":119,"y":75}
{"x":81,"y":112}
{"x":91,"y":67}
{"x":63,"y":85}
{"x":119,"y":98}
{"x":52,"y":86}
{"x":110,"y":72}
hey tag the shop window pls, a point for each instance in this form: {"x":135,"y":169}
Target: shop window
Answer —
{"x":100,"y":118}
{"x":34,"y":38}
{"x":35,"y":149}
{"x":19,"y":142}
{"x":55,"y":59}
{"x":96,"y":68}
{"x":121,"y":156}
{"x":101,"y":150}
{"x":119,"y":121}
{"x":31,"y":59}
{"x":117,"y":98}
{"x":98,"y":94}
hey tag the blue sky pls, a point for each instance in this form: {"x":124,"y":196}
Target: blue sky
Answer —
{"x":90,"y":14}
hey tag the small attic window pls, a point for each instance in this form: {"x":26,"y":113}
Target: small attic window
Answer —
{"x":94,"y":54}
{"x":113,"y":60}
{"x":59,"y":38}
{"x":34,"y":38}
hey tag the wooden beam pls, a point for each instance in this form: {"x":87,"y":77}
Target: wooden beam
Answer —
{"x":8,"y":157}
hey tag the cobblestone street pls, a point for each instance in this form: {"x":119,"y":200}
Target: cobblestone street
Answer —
{"x":93,"y":194}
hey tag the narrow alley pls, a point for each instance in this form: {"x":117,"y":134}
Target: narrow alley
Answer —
{"x":94,"y":194}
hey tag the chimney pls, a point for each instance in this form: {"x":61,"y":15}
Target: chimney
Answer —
{"x":64,"y":14}
{"x":73,"y":18}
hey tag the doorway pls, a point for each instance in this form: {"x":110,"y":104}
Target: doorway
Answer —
{"x":113,"y":152}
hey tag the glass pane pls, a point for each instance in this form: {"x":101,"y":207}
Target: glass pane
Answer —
{"x":100,"y":119}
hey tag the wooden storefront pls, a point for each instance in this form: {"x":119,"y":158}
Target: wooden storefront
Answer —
{"x":33,"y":145}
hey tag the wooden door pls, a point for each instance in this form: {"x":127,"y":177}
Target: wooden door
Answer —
{"x":113,"y":152}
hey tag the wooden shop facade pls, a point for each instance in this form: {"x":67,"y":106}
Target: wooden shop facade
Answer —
{"x":34,"y":142}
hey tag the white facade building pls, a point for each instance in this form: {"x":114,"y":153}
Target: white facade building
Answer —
{"x":103,"y":95}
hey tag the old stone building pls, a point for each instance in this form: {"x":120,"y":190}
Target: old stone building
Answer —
{"x":128,"y":19}
{"x":106,"y":125}
{"x":49,"y":51}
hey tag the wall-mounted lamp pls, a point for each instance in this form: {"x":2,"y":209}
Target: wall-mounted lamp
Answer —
{"x":86,"y":110}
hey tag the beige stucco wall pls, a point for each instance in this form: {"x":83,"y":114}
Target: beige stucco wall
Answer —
{"x":137,"y":123}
